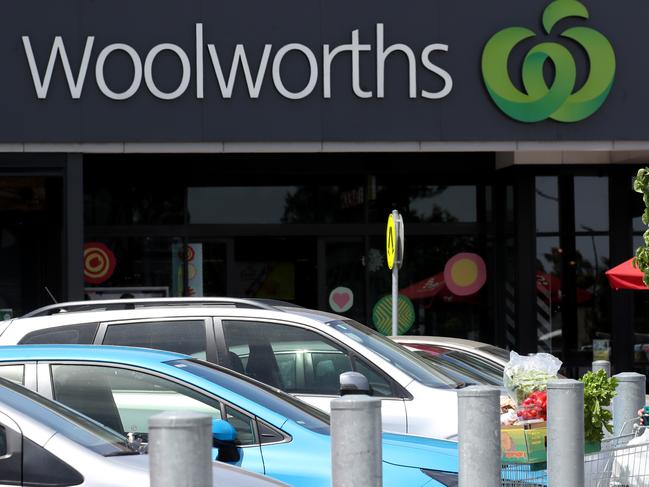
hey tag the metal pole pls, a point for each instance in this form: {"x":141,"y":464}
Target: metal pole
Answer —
{"x":356,"y":441}
{"x":602,"y":365}
{"x":629,"y":398}
{"x":395,"y":277}
{"x":566,"y":433}
{"x":479,"y":436}
{"x":180,"y":449}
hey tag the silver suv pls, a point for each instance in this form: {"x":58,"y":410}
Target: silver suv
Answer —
{"x":298,"y":350}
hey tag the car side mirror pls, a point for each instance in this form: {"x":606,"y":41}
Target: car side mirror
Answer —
{"x":354,"y":383}
{"x":224,"y":437}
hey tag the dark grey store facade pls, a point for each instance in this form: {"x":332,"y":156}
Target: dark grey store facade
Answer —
{"x":123,"y":124}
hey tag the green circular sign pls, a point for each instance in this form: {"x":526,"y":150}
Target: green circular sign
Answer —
{"x":382,"y":315}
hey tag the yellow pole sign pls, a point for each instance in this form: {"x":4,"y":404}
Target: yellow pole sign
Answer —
{"x":391,"y":241}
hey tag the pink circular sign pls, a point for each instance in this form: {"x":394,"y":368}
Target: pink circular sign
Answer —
{"x":465,"y":274}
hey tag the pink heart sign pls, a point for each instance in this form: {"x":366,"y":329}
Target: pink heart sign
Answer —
{"x":341,"y":299}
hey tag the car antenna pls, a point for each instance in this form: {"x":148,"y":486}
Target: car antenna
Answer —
{"x":51,"y":295}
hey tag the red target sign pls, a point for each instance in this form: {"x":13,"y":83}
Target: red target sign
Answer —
{"x":98,"y":263}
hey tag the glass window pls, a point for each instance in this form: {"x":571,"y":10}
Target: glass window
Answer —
{"x":14,"y":373}
{"x":10,"y":462}
{"x":271,"y":398}
{"x":548,"y":295}
{"x":181,"y":336}
{"x":380,"y":386}
{"x":547,"y":204}
{"x":425,"y":203}
{"x":143,"y":262}
{"x":64,"y":420}
{"x":260,"y":346}
{"x":591,"y":203}
{"x":270,"y":204}
{"x":123,"y":399}
{"x":81,"y":334}
{"x":406,"y":361}
{"x":42,"y":469}
{"x":244,"y":425}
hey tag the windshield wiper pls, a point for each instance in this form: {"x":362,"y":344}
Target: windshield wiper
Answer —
{"x":121,"y":453}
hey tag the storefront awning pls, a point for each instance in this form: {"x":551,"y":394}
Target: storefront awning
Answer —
{"x":625,"y":276}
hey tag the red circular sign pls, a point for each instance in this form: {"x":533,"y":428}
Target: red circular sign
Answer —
{"x":98,"y":263}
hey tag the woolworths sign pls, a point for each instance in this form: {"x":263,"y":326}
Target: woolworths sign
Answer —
{"x":203,"y":59}
{"x":306,"y":70}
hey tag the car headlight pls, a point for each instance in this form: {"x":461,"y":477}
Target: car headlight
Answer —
{"x":450,"y":479}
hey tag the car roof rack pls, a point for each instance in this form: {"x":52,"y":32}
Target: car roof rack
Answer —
{"x":133,"y":303}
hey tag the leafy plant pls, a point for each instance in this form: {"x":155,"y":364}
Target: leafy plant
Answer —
{"x":599,"y":391}
{"x":641,"y":259}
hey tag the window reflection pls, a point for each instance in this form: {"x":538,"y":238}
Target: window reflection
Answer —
{"x":427,"y":203}
{"x":591,"y":203}
{"x":547,"y":204}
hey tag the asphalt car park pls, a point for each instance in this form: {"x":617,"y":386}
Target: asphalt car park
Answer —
{"x":295,"y":349}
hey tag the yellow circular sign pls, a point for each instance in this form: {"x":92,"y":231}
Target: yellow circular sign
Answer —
{"x":391,"y":242}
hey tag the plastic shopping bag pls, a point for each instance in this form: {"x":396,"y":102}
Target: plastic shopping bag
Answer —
{"x":525,"y":374}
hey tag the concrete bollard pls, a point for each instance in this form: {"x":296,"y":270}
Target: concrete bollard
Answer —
{"x":566,"y":433}
{"x":180,"y":449}
{"x":356,"y":441}
{"x":629,"y":398}
{"x":602,"y":365}
{"x":479,"y":436}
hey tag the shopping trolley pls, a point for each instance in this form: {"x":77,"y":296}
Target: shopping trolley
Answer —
{"x":623,"y":461}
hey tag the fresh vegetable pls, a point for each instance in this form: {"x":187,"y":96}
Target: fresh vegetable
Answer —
{"x":534,"y":406}
{"x":599,"y":391}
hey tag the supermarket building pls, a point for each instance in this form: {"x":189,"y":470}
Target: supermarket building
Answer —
{"x":256,"y":149}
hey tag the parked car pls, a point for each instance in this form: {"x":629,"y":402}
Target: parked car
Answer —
{"x":279,"y":435}
{"x":494,"y":355}
{"x":298,"y":350}
{"x":44,"y":443}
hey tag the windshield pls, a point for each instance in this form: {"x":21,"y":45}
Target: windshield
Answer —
{"x":459,"y":369}
{"x":65,"y":421}
{"x":496,"y":351}
{"x":405,"y":360}
{"x":266,"y":396}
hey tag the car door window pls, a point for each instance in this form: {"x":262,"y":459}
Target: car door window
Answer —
{"x":42,"y":469}
{"x":287,"y":357}
{"x":182,"y":336}
{"x":82,"y":333}
{"x":380,"y":386}
{"x":125,"y":399}
{"x":10,"y":461}
{"x":14,"y":373}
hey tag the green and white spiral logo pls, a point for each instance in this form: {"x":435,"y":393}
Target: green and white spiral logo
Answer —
{"x":557,"y":101}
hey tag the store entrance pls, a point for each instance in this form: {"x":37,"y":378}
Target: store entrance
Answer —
{"x":30,"y":242}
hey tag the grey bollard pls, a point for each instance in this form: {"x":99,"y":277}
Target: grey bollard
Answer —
{"x":356,"y":439}
{"x":180,"y":449}
{"x":629,"y":398}
{"x":602,"y":365}
{"x":479,"y":436}
{"x":566,"y":433}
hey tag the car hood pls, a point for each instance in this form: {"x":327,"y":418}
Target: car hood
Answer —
{"x":419,"y":452}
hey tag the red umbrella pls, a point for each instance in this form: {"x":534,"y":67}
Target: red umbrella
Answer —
{"x":625,"y":276}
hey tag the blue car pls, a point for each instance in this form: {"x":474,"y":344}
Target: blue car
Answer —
{"x":277,"y":434}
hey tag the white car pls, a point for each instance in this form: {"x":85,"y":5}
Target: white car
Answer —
{"x":496,"y":355}
{"x":43,"y":443}
{"x":298,"y":350}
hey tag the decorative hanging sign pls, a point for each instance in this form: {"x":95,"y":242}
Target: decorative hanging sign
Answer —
{"x":341,"y":299}
{"x":98,"y":263}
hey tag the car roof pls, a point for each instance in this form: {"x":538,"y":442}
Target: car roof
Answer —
{"x":437,"y":340}
{"x":98,"y":353}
